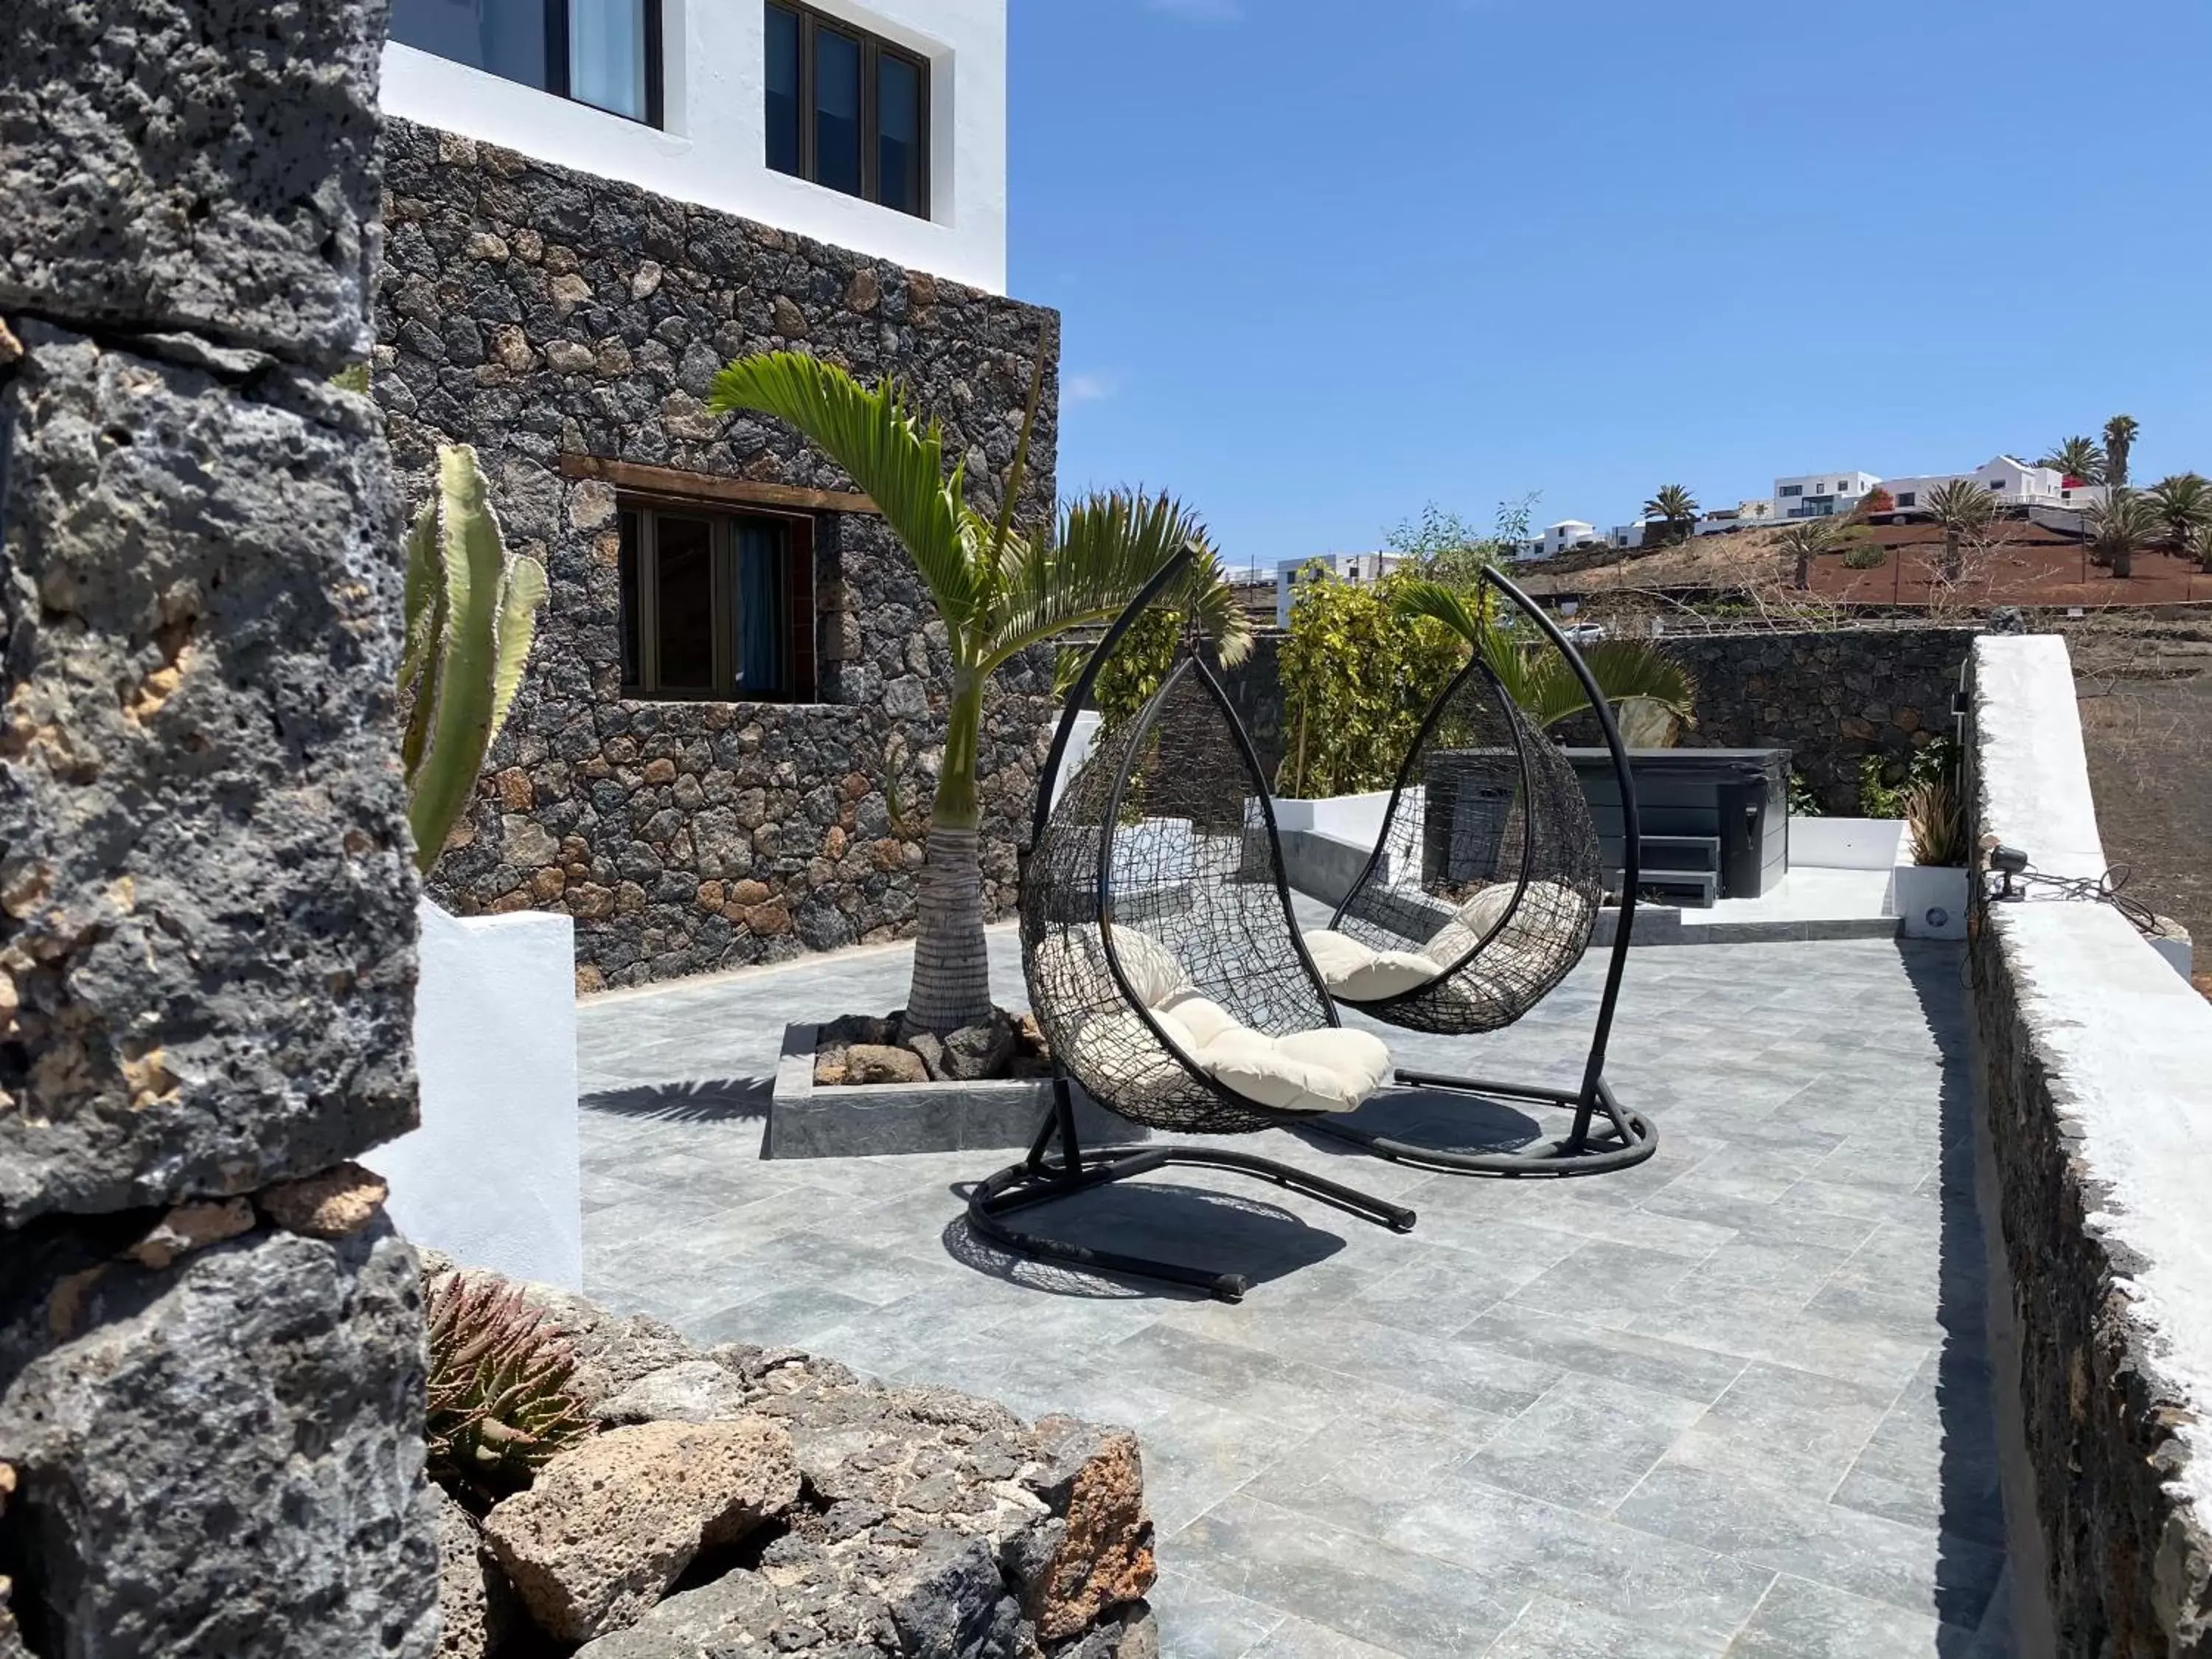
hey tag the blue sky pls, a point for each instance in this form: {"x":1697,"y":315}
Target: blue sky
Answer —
{"x":1321,"y":264}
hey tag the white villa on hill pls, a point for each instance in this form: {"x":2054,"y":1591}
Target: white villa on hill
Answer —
{"x":1343,"y":567}
{"x":2014,"y":482}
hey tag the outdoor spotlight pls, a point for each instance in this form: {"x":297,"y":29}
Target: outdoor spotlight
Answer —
{"x":2007,"y":861}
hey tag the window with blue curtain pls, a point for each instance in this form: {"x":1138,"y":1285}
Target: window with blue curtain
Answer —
{"x":716,"y":605}
{"x":760,"y":609}
{"x":606,"y":53}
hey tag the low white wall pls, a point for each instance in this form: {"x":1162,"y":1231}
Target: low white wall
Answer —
{"x":1357,"y":819}
{"x":1825,"y":843}
{"x":2098,"y":1083}
{"x":492,"y":1176}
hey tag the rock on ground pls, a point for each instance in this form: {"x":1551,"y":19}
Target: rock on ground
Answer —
{"x":477,"y":1610}
{"x":607,"y":1526}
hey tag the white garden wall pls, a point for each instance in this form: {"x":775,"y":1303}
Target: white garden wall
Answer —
{"x":492,"y":1177}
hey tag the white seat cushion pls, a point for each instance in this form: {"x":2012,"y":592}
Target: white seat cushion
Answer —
{"x":1150,"y":967}
{"x":1354,"y":971}
{"x":1305,"y":1072}
{"x":1204,"y":1020}
{"x":1117,"y":1049}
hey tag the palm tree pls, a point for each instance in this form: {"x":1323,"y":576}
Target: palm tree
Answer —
{"x":1962,"y":506}
{"x":1000,"y":589}
{"x":1547,"y":689}
{"x":1806,"y":539}
{"x":2183,"y":502}
{"x":2119,"y":438}
{"x":2126,"y":520}
{"x":1677,"y":506}
{"x":2079,"y":459}
{"x":2200,"y":546}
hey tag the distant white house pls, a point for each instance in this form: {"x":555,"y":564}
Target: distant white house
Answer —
{"x":1560,"y":538}
{"x":1343,"y":567}
{"x":2012,"y":482}
{"x":1820,"y":494}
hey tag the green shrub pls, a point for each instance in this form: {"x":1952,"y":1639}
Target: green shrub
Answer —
{"x":1358,"y":677}
{"x":1864,"y":556}
{"x":1885,"y":786}
{"x":1803,"y":803}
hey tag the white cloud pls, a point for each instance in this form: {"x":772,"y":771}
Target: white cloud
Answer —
{"x":1089,"y":388}
{"x":1201,"y":11}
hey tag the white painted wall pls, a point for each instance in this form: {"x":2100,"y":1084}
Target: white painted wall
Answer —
{"x":714,"y":150}
{"x":494,"y":1176}
{"x":1825,"y":843}
{"x":1344,"y":567}
{"x":2010,"y":482}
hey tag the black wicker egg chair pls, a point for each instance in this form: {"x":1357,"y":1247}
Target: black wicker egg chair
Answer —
{"x":1165,"y":967}
{"x":1481,"y":894}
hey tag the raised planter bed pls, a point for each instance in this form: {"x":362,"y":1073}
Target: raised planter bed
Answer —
{"x":807,"y":1120}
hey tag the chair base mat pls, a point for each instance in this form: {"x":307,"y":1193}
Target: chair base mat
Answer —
{"x":1604,"y":1137}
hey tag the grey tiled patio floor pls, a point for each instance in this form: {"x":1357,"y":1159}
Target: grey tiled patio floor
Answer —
{"x":1733,"y":1402}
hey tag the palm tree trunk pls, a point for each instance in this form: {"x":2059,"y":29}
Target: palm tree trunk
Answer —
{"x":1950,"y":556}
{"x":952,"y":985}
{"x":1804,"y":569}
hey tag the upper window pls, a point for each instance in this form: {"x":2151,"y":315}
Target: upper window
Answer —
{"x":1907,"y":497}
{"x":606,"y":53}
{"x":716,"y":606}
{"x":847,"y":110}
{"x":1793,"y":489}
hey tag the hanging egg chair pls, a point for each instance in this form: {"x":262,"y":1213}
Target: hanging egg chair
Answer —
{"x":1481,"y":894}
{"x":1165,"y":965}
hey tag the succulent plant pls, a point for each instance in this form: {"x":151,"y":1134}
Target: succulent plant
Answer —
{"x":500,"y":1394}
{"x":471,"y":613}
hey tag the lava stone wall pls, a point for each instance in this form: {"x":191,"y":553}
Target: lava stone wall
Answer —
{"x":211,"y":1350}
{"x":540,"y":313}
{"x":1830,"y":698}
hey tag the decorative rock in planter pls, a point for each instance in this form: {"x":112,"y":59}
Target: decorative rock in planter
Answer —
{"x":607,"y":1526}
{"x":908,"y":1111}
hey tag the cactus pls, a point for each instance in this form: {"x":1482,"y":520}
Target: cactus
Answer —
{"x":501,"y":1397}
{"x":471,"y":613}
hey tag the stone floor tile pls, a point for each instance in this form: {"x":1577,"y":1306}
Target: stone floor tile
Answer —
{"x":1524,"y":1546}
{"x":1365,"y":1479}
{"x":1551,"y":1628}
{"x":1643,"y":1362}
{"x":1914,"y":1568}
{"x":1298,"y":1639}
{"x":1404,"y":1603}
{"x":1364,"y":1354}
{"x":1777,"y":1422}
{"x":1199,"y":1620}
{"x":1800,"y":1619}
{"x":1585,"y":1444}
{"x":1605,"y":1284}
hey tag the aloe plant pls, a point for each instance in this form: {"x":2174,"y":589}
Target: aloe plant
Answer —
{"x":501,"y":1395}
{"x":471,"y":614}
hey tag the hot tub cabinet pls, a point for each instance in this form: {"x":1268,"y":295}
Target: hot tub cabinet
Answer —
{"x":1716,"y":821}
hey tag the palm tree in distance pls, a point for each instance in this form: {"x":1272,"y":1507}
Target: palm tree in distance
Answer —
{"x":1961,"y":508}
{"x":1807,"y":539}
{"x":2079,"y":459}
{"x":2119,"y":439}
{"x":2126,"y":520}
{"x":1677,"y":506}
{"x":2183,"y":504}
{"x":1000,"y":589}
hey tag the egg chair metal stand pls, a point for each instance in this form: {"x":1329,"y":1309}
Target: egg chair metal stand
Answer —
{"x":1159,"y":855}
{"x":1485,"y":801}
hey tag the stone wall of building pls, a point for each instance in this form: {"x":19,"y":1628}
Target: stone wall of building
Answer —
{"x":546,"y":316}
{"x":211,"y":1340}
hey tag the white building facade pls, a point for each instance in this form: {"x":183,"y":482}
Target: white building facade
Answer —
{"x":1324,"y":566}
{"x":2011,"y":482}
{"x":1820,"y":494}
{"x":880,"y":128}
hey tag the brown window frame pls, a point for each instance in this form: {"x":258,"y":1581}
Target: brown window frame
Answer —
{"x":799,"y":621}
{"x":873,"y":48}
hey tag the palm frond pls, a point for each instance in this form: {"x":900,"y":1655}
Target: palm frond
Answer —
{"x":1419,"y":596}
{"x":1107,"y":546}
{"x":898,"y":464}
{"x":1546,"y":688}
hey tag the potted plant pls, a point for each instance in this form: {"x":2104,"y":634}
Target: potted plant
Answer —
{"x":1931,"y":890}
